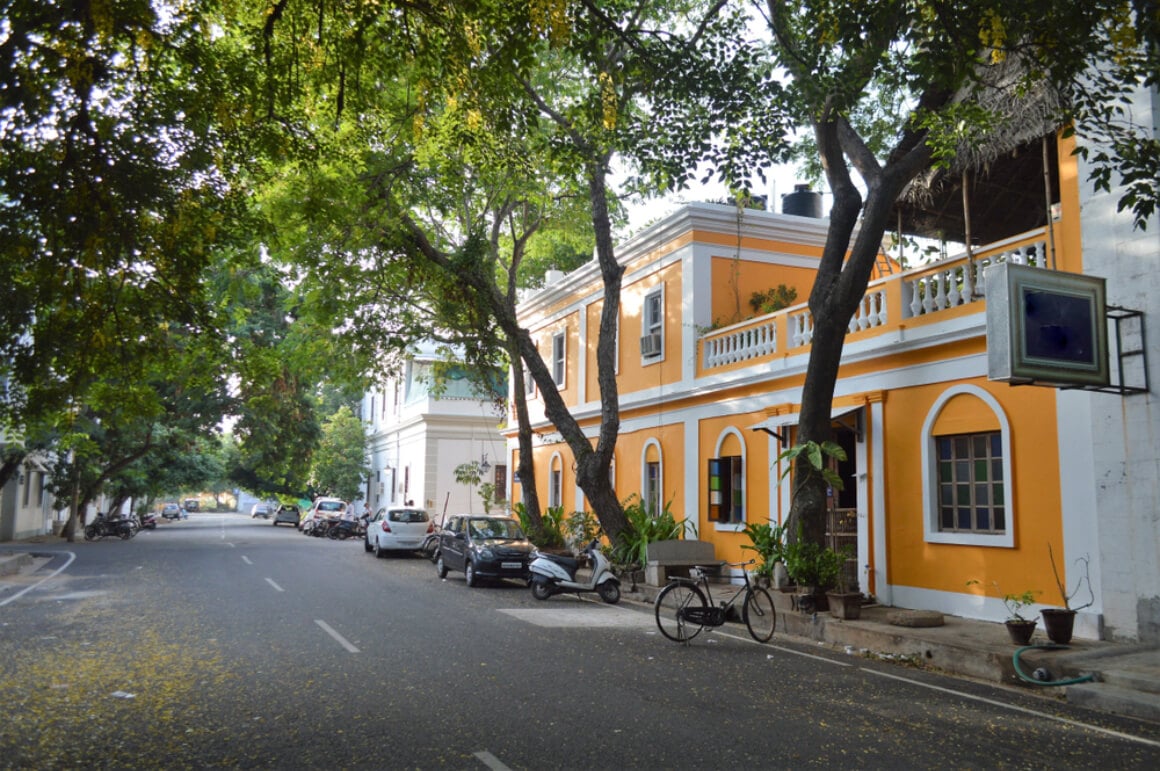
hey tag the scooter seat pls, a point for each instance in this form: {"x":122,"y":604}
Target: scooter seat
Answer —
{"x":568,"y":563}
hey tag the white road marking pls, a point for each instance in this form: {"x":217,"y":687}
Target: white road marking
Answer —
{"x":580,"y":617}
{"x":491,"y":761}
{"x":270,"y":581}
{"x":339,"y":638}
{"x":805,"y":655}
{"x":246,"y":560}
{"x":1014,"y":708}
{"x":71,"y":556}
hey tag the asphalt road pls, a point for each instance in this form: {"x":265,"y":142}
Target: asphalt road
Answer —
{"x":223,"y":641}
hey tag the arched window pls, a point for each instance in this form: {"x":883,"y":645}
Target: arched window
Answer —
{"x":726,"y":479}
{"x":556,"y":481}
{"x":966,"y":456}
{"x":651,"y":481}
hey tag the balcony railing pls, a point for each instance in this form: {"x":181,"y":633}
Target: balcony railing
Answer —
{"x":888,"y":302}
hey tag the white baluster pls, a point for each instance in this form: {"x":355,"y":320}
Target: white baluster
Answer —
{"x":953,"y":297}
{"x":913,"y":300}
{"x":881,"y":316}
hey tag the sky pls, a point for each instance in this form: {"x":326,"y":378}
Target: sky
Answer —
{"x":779,"y":181}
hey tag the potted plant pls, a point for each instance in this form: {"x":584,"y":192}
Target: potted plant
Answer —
{"x":1059,"y":622}
{"x":768,"y":541}
{"x":1019,"y":627}
{"x":814,"y":569}
{"x":807,"y":564}
{"x":845,"y":599}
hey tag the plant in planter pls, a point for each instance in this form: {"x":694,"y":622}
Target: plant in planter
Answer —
{"x":845,"y":599}
{"x":814,"y":568}
{"x":1019,"y":627}
{"x":808,"y":564}
{"x":631,"y":547}
{"x":1060,"y":622}
{"x":769,"y":543}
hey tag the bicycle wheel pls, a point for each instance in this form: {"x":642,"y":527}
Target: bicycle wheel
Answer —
{"x":759,"y":614}
{"x":672,"y":599}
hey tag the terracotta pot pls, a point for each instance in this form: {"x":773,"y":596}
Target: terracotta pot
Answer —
{"x":1058,"y":623}
{"x":1021,"y":631}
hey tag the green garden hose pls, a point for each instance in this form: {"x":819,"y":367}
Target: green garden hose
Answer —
{"x":1047,"y":647}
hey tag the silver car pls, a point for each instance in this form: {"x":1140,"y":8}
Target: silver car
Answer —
{"x":397,"y":528}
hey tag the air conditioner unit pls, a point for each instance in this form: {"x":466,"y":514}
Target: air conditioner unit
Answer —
{"x":650,"y":345}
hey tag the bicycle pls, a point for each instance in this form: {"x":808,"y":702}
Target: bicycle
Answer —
{"x":683,"y":609}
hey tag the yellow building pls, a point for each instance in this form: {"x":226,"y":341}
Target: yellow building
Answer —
{"x":951,"y":477}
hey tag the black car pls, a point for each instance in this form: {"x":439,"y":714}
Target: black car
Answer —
{"x":484,"y":546}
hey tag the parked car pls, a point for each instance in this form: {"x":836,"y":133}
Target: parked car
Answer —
{"x":484,"y":546}
{"x":171,"y":511}
{"x":288,"y":514}
{"x":191,"y":504}
{"x":328,"y":508}
{"x":260,"y":510}
{"x":397,"y":528}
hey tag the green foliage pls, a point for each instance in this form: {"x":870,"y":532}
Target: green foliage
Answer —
{"x":815,"y":454}
{"x":1015,"y":603}
{"x":580,"y":529}
{"x":643,"y":528}
{"x":768,"y":541}
{"x":811,"y":564}
{"x":340,"y":465}
{"x":773,"y":300}
{"x":549,"y":533}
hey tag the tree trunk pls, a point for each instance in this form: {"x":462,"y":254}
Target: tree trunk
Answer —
{"x":840,"y":284}
{"x":527,"y":465}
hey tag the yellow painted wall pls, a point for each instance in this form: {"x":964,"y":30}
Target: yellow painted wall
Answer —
{"x":735,"y":281}
{"x":633,"y":375}
{"x":727,"y":545}
{"x":1067,"y":237}
{"x":542,"y":335}
{"x":1036,"y":515}
{"x":629,"y":449}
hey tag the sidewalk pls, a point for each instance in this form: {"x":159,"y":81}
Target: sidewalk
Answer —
{"x":1124,"y":679}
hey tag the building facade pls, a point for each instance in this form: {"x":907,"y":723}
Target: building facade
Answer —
{"x":419,"y":434}
{"x":958,"y":489}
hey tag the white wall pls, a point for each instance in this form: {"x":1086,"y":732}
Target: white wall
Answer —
{"x":1125,"y":431}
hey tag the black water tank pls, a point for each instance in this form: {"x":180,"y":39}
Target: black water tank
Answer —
{"x":802,"y":202}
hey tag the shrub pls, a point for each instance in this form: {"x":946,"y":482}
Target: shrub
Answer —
{"x":644,"y":528}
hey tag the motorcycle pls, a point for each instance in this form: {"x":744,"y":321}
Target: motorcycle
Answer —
{"x":103,"y":526}
{"x":341,"y":529}
{"x":149,"y":521}
{"x":554,"y":574}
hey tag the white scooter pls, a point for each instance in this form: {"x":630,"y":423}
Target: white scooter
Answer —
{"x":552,"y":574}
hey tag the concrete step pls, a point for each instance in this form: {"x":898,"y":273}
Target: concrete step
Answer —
{"x":1125,"y":675}
{"x":1114,"y":698}
{"x":12,"y":562}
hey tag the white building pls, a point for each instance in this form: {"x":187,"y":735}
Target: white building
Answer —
{"x":26,"y":506}
{"x":417,"y":439}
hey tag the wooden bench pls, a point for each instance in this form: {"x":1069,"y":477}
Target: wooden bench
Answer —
{"x":663,"y":558}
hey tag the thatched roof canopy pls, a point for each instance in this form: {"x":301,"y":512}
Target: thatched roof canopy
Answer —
{"x":1003,"y":164}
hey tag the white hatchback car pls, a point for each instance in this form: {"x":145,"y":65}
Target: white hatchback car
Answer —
{"x":397,"y":528}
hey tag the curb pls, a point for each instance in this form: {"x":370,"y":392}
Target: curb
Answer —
{"x":12,"y":563}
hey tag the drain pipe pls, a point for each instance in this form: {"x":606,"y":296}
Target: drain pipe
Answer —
{"x":1047,"y":647}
